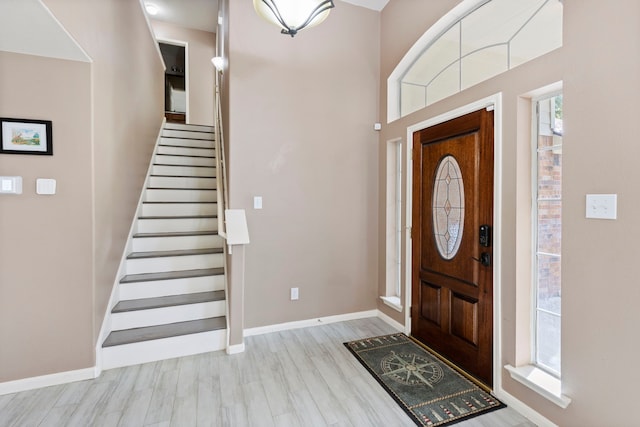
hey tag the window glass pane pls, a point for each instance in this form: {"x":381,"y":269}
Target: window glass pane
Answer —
{"x":549,"y":227}
{"x":413,"y":98}
{"x":550,"y":174}
{"x":442,"y":53}
{"x":446,"y":84}
{"x":548,"y":294}
{"x":541,"y":35}
{"x":548,"y":233}
{"x":548,"y":340}
{"x":484,"y":64}
{"x":496,"y":22}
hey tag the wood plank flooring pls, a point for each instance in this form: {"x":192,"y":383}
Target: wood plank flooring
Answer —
{"x":303,"y":377}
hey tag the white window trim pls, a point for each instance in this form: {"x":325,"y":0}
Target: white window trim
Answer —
{"x":531,"y":376}
{"x":394,"y":174}
{"x":541,"y":382}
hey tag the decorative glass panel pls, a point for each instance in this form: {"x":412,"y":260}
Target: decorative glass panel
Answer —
{"x":445,"y":84}
{"x":413,"y":97}
{"x":484,"y":64}
{"x":486,"y":41}
{"x":448,"y":207}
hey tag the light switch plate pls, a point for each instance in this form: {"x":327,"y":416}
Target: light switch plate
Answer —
{"x":257,"y":202}
{"x":602,"y":206}
{"x":10,"y":185}
{"x":45,"y":186}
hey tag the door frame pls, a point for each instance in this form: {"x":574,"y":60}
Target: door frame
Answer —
{"x":494,"y":102}
{"x":187,"y":68}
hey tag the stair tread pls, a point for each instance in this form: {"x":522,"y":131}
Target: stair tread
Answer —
{"x":180,"y":188}
{"x":178,"y":202}
{"x":183,"y":166}
{"x":183,"y":176}
{"x":193,"y":139}
{"x":176,"y":234}
{"x":187,"y":146}
{"x":167,"y":301}
{"x":170,"y":275}
{"x":178,"y":217}
{"x":148,"y":333}
{"x":182,"y":252}
{"x":185,"y":155}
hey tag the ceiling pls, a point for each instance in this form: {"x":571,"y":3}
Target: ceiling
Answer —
{"x":195,"y":14}
{"x":202,"y":14}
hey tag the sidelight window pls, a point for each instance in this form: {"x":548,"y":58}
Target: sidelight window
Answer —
{"x":547,"y":235}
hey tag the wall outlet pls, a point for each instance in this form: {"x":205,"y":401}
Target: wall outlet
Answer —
{"x":294,"y":294}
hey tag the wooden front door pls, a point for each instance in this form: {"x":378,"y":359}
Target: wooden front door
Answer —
{"x":452,"y":265}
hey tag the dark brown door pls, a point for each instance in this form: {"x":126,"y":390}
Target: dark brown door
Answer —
{"x":452,"y":272}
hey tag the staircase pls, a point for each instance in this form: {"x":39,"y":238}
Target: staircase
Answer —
{"x":172,"y":299}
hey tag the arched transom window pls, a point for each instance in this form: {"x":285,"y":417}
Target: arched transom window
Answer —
{"x":476,"y":41}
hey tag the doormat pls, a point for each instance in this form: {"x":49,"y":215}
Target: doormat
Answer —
{"x":429,"y":391}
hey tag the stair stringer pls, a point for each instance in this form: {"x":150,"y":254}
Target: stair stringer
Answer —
{"x":115,"y":288}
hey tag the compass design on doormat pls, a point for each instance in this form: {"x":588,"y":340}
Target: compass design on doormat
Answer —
{"x":411,"y":369}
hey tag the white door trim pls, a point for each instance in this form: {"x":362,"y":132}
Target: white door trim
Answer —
{"x":187,"y":69}
{"x":495,"y":102}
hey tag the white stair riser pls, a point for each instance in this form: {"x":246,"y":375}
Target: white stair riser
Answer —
{"x":165,"y":159}
{"x":166,"y":315}
{"x":175,"y":243}
{"x":187,"y":134}
{"x":163,"y":288}
{"x":182,"y":171}
{"x":181,"y":182}
{"x":186,"y":151}
{"x":155,"y":195}
{"x":179,"y":209}
{"x":185,"y":142}
{"x":174,"y":263}
{"x":180,"y":126}
{"x":167,"y":348}
{"x":177,"y":225}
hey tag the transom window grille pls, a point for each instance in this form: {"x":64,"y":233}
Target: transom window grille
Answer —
{"x":547,"y":234}
{"x":492,"y":38}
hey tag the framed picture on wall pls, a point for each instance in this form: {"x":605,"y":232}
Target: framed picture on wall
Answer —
{"x":25,"y":136}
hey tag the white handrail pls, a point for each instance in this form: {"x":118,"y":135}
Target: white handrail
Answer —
{"x":221,"y":168}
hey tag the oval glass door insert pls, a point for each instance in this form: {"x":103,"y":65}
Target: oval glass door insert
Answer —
{"x":448,"y":207}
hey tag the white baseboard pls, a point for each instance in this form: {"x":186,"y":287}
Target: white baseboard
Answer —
{"x":309,"y":322}
{"x":235,"y":349}
{"x":399,"y":326}
{"x":47,"y":380}
{"x":524,"y":410}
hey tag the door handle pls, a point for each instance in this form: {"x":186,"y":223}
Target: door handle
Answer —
{"x":485,"y":259}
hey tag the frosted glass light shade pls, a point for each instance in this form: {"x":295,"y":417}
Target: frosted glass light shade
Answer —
{"x":293,"y":15}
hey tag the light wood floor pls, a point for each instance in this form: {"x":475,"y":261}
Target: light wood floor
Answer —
{"x":302,"y":377}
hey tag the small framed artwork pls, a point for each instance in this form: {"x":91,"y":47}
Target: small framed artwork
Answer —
{"x":25,"y":136}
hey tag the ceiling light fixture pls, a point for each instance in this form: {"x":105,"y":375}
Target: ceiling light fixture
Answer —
{"x":152,"y":9}
{"x":293,"y":15}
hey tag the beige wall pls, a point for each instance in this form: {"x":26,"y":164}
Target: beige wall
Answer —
{"x":202,"y":47}
{"x":301,"y":136}
{"x":46,"y":274}
{"x":59,"y":254}
{"x":599,"y":70}
{"x":128,"y":106}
